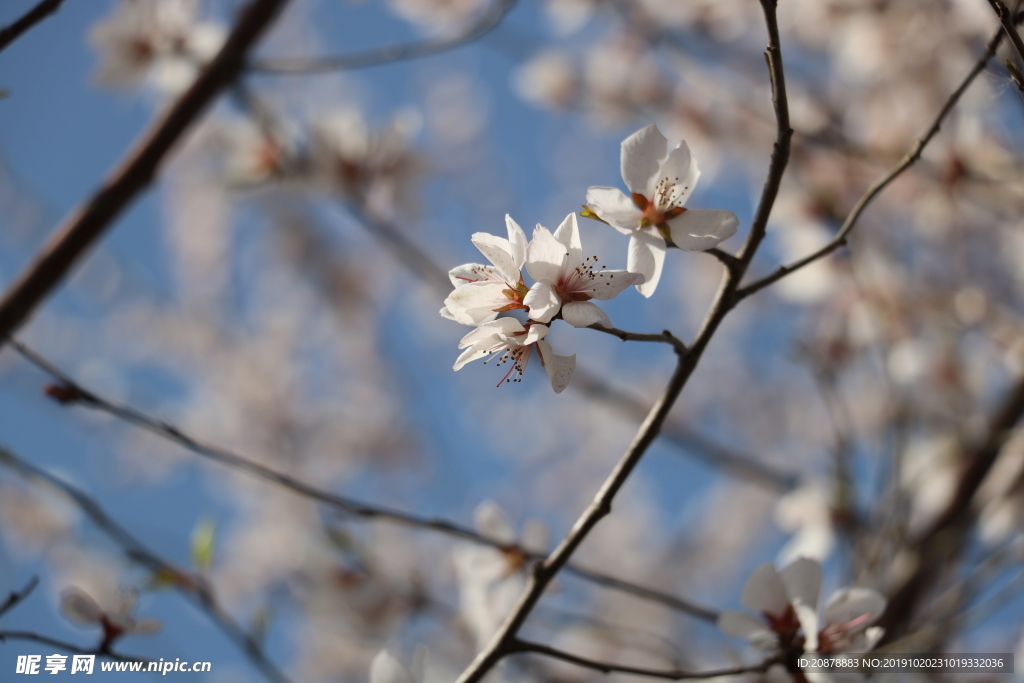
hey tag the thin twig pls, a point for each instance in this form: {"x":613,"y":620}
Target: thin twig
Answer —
{"x":665,"y":337}
{"x":191,"y":587}
{"x":17,"y":596}
{"x":88,"y":222}
{"x":387,"y":55}
{"x":11,"y":33}
{"x":872,"y":192}
{"x":504,"y":640}
{"x":527,"y":647}
{"x":69,"y":391}
{"x":68,"y":647}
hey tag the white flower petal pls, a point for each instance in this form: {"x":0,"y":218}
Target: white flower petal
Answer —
{"x":495,"y":329}
{"x":543,"y":302}
{"x":490,"y":519}
{"x":79,"y":607}
{"x":473,"y":272}
{"x":475,"y":303}
{"x":643,"y":153}
{"x":146,"y":627}
{"x":802,"y":580}
{"x":678,"y":174}
{"x":646,"y":257}
{"x":568,"y":233}
{"x":534,"y":335}
{"x":615,"y":208}
{"x":517,"y":240}
{"x":608,"y":284}
{"x":559,"y":368}
{"x":849,"y":604}
{"x":808,"y":618}
{"x":764,"y":592}
{"x":387,"y":669}
{"x":700,"y":229}
{"x":499,"y":252}
{"x":535,"y":536}
{"x":584,"y":314}
{"x":743,"y":625}
{"x":468,"y":356}
{"x":545,"y":257}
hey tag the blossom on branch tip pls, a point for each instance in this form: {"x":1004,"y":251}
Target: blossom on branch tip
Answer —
{"x":481,"y":291}
{"x":660,"y":181}
{"x":566,"y":281}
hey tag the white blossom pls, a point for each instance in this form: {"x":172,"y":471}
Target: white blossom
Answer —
{"x":566,"y":280}
{"x":512,"y":342}
{"x":162,"y":41}
{"x":386,"y":669}
{"x":81,"y":608}
{"x":660,"y":181}
{"x":482,"y":291}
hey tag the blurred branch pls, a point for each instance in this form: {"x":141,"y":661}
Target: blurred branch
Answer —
{"x":387,"y":55}
{"x":908,"y":160}
{"x":188,"y":585}
{"x":68,"y":392}
{"x":17,"y":596}
{"x":67,"y":647}
{"x":665,"y":337}
{"x":942,"y":541}
{"x":11,"y":33}
{"x":527,"y":647}
{"x":88,"y":222}
{"x":505,"y":641}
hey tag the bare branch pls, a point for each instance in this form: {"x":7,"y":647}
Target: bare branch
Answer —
{"x":387,"y":55}
{"x":68,"y":391}
{"x":665,"y":337}
{"x":88,"y":222}
{"x":11,"y":33}
{"x":190,"y":586}
{"x":906,"y":162}
{"x":17,"y":596}
{"x":526,"y":647}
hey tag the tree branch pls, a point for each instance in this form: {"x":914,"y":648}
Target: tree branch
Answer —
{"x":906,"y":162}
{"x":67,"y":647}
{"x":387,"y":55}
{"x":1006,"y":20}
{"x":527,"y":647}
{"x":665,"y":337}
{"x":87,"y":223}
{"x":11,"y":33}
{"x":68,"y":391}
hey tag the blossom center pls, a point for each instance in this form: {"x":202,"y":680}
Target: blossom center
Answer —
{"x":578,"y":284}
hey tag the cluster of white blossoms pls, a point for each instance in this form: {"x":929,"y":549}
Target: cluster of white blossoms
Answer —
{"x":660,"y":180}
{"x":787,"y":602}
{"x":82,"y":609}
{"x":163,"y":42}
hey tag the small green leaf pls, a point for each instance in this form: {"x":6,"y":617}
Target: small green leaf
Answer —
{"x":203,"y":542}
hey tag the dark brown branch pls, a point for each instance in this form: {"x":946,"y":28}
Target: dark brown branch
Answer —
{"x":11,"y":33}
{"x":88,"y":222}
{"x":526,"y":647}
{"x":68,"y":391}
{"x":387,"y":55}
{"x":17,"y":596}
{"x":1006,"y":20}
{"x":191,"y":587}
{"x":665,"y":337}
{"x":505,"y":639}
{"x":908,"y":160}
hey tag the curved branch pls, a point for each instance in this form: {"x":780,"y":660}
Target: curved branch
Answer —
{"x":906,"y":162}
{"x":17,"y":596}
{"x":68,"y":391}
{"x":89,"y":221}
{"x":386,"y":55}
{"x":665,"y":337}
